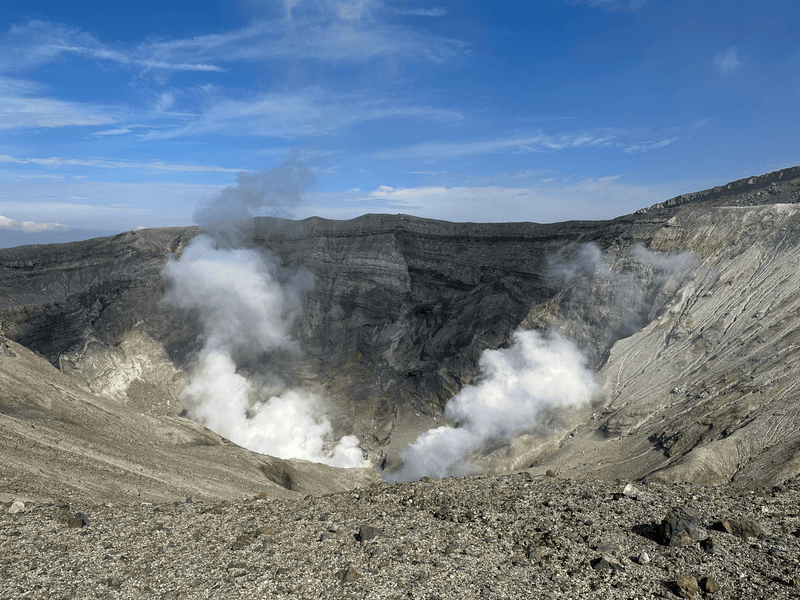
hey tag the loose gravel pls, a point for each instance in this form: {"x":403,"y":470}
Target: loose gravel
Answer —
{"x":515,"y":536}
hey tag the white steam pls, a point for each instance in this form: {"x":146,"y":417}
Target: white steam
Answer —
{"x":247,"y":304}
{"x":535,"y":374}
{"x":519,"y":384}
{"x":271,"y":193}
{"x":625,"y":286}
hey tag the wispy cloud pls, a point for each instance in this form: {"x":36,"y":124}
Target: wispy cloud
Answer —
{"x":327,"y":31}
{"x":311,"y":112}
{"x":539,"y":142}
{"x":422,"y":12}
{"x":39,"y":42}
{"x":23,"y":107}
{"x":164,"y":101}
{"x":647,"y":146}
{"x":30,"y":226}
{"x":728,"y":62}
{"x":120,"y":131}
{"x":86,"y":204}
{"x":104,"y":163}
{"x":633,"y":141}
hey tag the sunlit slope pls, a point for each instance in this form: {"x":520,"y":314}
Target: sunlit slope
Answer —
{"x":708,"y":390}
{"x":60,"y":441}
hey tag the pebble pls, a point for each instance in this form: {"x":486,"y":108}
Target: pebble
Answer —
{"x":512,"y":536}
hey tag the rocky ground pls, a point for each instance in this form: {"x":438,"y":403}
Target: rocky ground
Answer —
{"x":514,"y":536}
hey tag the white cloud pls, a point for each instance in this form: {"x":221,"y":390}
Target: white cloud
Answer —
{"x":327,"y":31}
{"x":646,"y":146}
{"x":309,"y":112}
{"x":164,"y":101}
{"x":104,"y":163}
{"x":30,"y":226}
{"x":118,"y":206}
{"x":39,"y":42}
{"x":631,"y":140}
{"x":728,"y":62}
{"x":586,"y":199}
{"x":539,"y":142}
{"x":422,"y":12}
{"x":20,"y":108}
{"x":120,"y":131}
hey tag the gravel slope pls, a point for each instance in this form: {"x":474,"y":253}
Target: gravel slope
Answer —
{"x":514,"y":536}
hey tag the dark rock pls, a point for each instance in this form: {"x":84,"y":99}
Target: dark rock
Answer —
{"x":78,"y":521}
{"x":347,"y":575}
{"x":443,"y":512}
{"x":741,"y":528}
{"x":607,"y":563}
{"x":367,"y":532}
{"x":710,"y":545}
{"x":680,"y":527}
{"x":114,"y":582}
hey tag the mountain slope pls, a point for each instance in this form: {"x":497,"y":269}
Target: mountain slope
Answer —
{"x":60,"y":441}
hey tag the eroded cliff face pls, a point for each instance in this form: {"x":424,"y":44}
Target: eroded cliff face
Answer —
{"x":696,"y":356}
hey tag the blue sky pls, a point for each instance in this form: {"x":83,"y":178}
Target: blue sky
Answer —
{"x":118,"y":115}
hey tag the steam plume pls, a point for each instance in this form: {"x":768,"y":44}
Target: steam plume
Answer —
{"x":269,"y":193}
{"x":521,"y":382}
{"x":535,"y":374}
{"x":227,"y":217}
{"x":237,"y":384}
{"x":618,"y":292}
